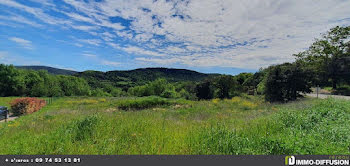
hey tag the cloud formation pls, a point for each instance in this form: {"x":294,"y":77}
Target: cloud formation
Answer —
{"x":198,"y":33}
{"x":110,"y":63}
{"x":22,"y":42}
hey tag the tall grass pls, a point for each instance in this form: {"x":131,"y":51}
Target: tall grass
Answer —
{"x":100,"y":126}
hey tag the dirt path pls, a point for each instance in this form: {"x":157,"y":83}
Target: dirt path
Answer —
{"x":9,"y":119}
{"x":324,"y":96}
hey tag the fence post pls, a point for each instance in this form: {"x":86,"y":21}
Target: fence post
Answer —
{"x":317,"y":89}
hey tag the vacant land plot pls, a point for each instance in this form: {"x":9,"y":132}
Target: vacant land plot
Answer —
{"x":153,"y":125}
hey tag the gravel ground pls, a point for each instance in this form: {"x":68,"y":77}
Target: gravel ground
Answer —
{"x":324,"y":96}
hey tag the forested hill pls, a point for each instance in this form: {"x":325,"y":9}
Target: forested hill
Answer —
{"x":51,"y":70}
{"x":128,"y":78}
{"x":142,"y":76}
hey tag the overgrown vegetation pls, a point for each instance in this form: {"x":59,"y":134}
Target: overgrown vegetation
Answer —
{"x":242,"y":125}
{"x":142,"y":103}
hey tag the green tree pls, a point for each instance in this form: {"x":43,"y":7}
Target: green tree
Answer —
{"x":284,"y":82}
{"x":253,"y":81}
{"x":226,"y":86}
{"x":205,"y":90}
{"x":11,"y":83}
{"x":329,"y":57}
{"x":74,"y":86}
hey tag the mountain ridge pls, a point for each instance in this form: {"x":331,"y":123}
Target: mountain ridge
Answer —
{"x":51,"y":70}
{"x":128,"y":78}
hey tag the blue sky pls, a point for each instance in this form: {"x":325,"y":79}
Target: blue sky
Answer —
{"x":211,"y":36}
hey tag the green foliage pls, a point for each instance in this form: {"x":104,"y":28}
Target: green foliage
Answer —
{"x":255,"y":82}
{"x":328,"y":57}
{"x":84,"y":129}
{"x":159,"y":87}
{"x":205,"y":90}
{"x":261,"y":87}
{"x":170,"y":93}
{"x":216,"y":127}
{"x":138,"y":77}
{"x":50,"y":70}
{"x":11,"y":84}
{"x":100,"y":93}
{"x":226,"y":86}
{"x":40,"y":83}
{"x":186,"y":95}
{"x":285,"y":82}
{"x":117,"y":92}
{"x":142,"y":103}
{"x":343,"y":90}
{"x":242,"y":77}
{"x":74,"y":86}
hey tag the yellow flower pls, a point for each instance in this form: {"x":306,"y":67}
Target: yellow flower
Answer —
{"x":248,"y":105}
{"x":215,"y":101}
{"x":14,"y":124}
{"x":236,"y":100}
{"x":103,"y":100}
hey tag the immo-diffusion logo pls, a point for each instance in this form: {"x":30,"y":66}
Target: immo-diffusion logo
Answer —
{"x":290,"y":160}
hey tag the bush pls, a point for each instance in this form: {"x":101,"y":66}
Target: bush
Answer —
{"x":26,"y":105}
{"x":100,"y":93}
{"x":169,"y":93}
{"x":342,"y":90}
{"x":143,"y":103}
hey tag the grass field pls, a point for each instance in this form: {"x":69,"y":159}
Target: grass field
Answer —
{"x":155,"y":125}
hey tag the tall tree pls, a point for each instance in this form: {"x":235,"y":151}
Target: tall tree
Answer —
{"x":284,"y":82}
{"x":205,"y":90}
{"x":226,"y":86}
{"x":328,"y":57}
{"x":11,"y":83}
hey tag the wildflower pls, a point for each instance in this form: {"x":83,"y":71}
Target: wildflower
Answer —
{"x":215,"y":101}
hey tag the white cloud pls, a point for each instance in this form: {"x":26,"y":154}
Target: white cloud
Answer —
{"x":78,"y":44}
{"x":110,"y":63}
{"x":234,"y":33}
{"x":21,"y":19}
{"x":84,"y":27}
{"x":140,"y":51}
{"x":89,"y":55}
{"x":95,"y":42}
{"x":217,"y":29}
{"x":37,"y":12}
{"x":22,"y":42}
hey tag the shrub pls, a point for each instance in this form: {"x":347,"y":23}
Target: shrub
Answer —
{"x":100,"y":93}
{"x":169,"y":93}
{"x":26,"y":105}
{"x":143,"y":103}
{"x":343,"y":90}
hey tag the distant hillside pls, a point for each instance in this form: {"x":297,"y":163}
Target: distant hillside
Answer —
{"x":141,"y":76}
{"x":127,"y":78}
{"x":51,"y":70}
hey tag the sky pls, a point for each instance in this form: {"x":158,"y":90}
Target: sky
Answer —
{"x":210,"y":36}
